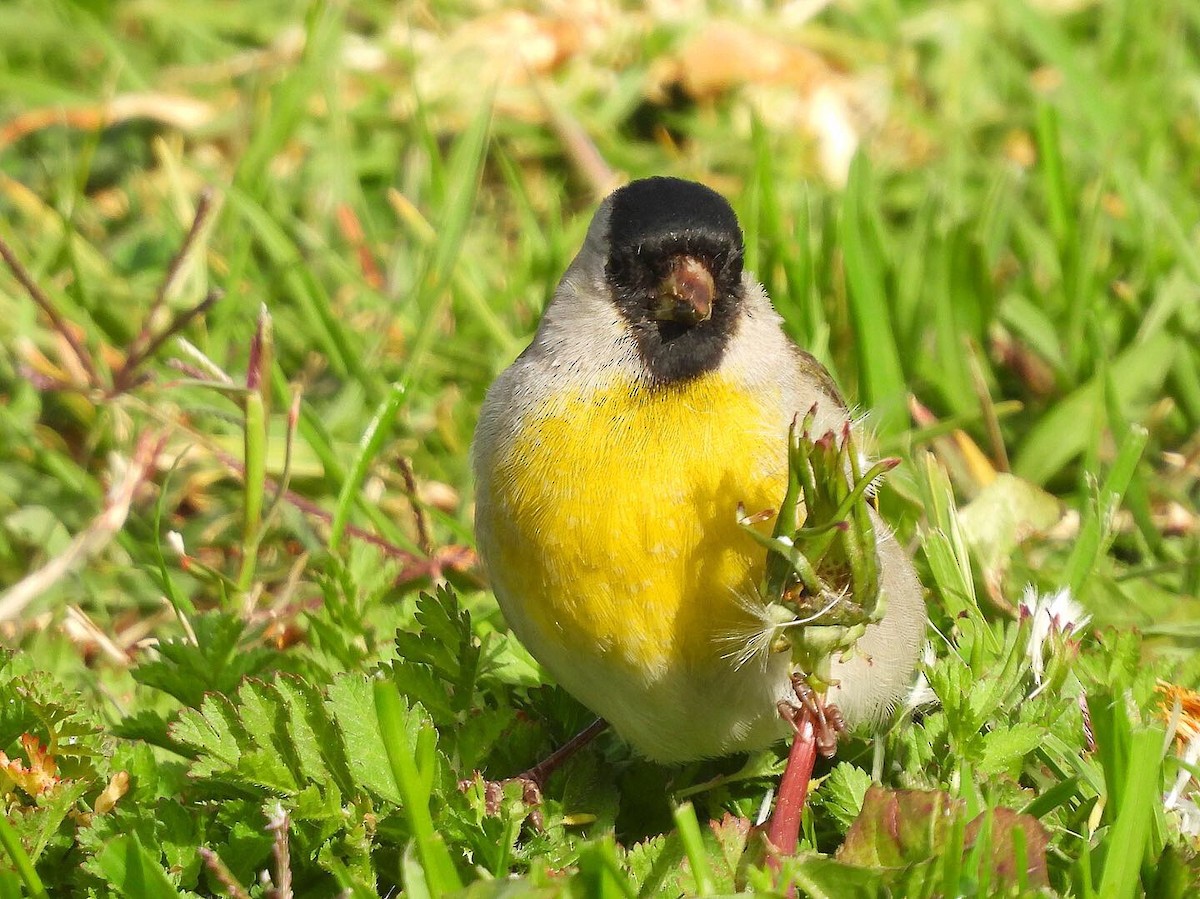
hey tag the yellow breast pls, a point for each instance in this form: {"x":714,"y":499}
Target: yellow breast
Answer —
{"x":614,"y":518}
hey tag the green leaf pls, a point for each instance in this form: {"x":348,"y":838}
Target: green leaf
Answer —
{"x":35,"y":703}
{"x":841,"y":794}
{"x":1004,"y":748}
{"x":40,"y":824}
{"x":446,"y":643}
{"x":215,"y":662}
{"x":378,"y":430}
{"x":315,"y":736}
{"x":819,"y":877}
{"x":352,"y":704}
{"x":133,"y":871}
{"x":419,"y":683}
{"x":214,"y":732}
{"x":654,"y":865}
{"x":1004,"y":513}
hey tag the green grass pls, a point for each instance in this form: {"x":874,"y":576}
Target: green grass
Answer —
{"x":1016,"y":246}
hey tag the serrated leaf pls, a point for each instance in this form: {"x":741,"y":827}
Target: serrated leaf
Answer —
{"x":731,"y":835}
{"x":246,"y":846}
{"x":418,"y":683}
{"x":264,"y":717}
{"x":245,"y":744}
{"x":506,"y":661}
{"x":257,"y":712}
{"x":36,"y":704}
{"x":445,"y":643}
{"x":352,"y":704}
{"x":262,"y":767}
{"x":843,"y":791}
{"x":213,"y":732}
{"x":320,"y":803}
{"x":147,"y":726}
{"x":179,"y":832}
{"x":38,"y":824}
{"x":317,"y":740}
{"x":215,"y":663}
{"x":479,"y":735}
{"x":654,"y":864}
{"x":1005,"y":746}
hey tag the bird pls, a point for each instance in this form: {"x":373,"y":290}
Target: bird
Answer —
{"x":610,"y":460}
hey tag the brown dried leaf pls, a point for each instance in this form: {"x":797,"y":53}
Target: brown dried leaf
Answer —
{"x":173,"y":110}
{"x":790,"y":86}
{"x":40,"y":776}
{"x":109,"y":796}
{"x":724,"y":55}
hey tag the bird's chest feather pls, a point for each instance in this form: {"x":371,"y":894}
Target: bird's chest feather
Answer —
{"x":614,"y":518}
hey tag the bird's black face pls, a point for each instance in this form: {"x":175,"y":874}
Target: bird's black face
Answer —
{"x":675,"y":270}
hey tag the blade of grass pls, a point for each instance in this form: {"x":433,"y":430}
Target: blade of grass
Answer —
{"x":426,"y":236}
{"x":1054,"y":179}
{"x":276,"y":121}
{"x":413,"y":784}
{"x":434,"y":296}
{"x":20,"y":859}
{"x":302,"y":287}
{"x":693,"y":846}
{"x":378,"y":430}
{"x":883,"y":386}
{"x":601,"y":874}
{"x":255,"y":438}
{"x":1057,"y":438}
{"x":1141,"y":788}
{"x":1096,"y":529}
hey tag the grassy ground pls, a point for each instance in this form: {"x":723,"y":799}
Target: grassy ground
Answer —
{"x":1015,"y":247}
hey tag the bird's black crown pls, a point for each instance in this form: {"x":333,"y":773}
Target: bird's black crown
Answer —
{"x":650,"y":222}
{"x":648,"y":212}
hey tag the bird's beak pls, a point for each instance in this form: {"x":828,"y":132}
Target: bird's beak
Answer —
{"x":686,"y":293}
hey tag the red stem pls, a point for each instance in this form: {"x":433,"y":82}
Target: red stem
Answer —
{"x":783,"y":830}
{"x":547,"y":766}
